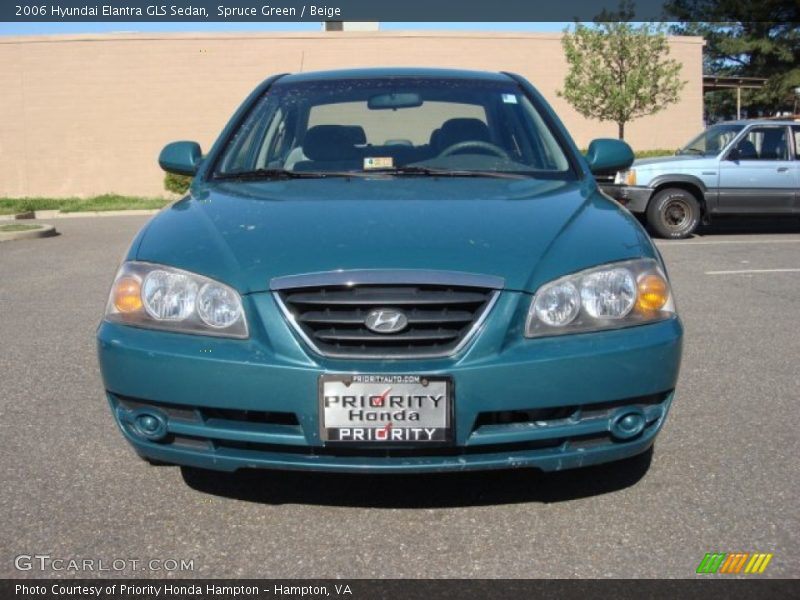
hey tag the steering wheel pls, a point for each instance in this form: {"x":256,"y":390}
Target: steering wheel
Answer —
{"x":496,"y":150}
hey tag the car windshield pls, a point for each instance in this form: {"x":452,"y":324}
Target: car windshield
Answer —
{"x":398,"y":126}
{"x":712,"y":141}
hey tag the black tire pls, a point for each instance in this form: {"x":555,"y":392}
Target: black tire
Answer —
{"x":673,"y":213}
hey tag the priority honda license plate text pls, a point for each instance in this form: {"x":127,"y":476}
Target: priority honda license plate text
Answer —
{"x":407,"y":409}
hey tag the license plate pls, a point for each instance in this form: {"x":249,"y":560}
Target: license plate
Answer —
{"x":385,"y":409}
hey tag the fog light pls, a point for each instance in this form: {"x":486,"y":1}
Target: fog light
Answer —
{"x":149,"y":423}
{"x":628,"y":424}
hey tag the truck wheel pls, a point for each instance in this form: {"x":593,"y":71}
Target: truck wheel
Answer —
{"x":673,"y":213}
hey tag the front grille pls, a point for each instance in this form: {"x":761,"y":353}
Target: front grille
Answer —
{"x":332,"y":319}
{"x":606,"y":178}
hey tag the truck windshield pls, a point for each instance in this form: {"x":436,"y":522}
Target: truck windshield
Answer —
{"x":713,"y":140}
{"x":400,"y":126}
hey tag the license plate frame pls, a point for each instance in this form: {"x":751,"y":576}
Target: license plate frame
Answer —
{"x":444,"y":436}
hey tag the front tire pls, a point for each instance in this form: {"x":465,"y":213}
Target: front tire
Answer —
{"x":673,"y":213}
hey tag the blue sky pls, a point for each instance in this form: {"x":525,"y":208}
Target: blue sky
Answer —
{"x":55,"y":28}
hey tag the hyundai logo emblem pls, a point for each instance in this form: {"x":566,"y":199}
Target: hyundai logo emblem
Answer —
{"x":386,"y":320}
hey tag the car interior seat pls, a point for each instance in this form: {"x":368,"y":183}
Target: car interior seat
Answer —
{"x":434,"y":144}
{"x":332,"y":148}
{"x":746,"y":150}
{"x":455,"y":131}
{"x":774,"y":145}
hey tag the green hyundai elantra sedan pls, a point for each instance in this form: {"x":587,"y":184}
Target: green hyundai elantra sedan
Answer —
{"x":391,"y":270}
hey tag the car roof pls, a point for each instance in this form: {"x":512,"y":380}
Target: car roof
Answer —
{"x":758,"y":122}
{"x":419,"y":72}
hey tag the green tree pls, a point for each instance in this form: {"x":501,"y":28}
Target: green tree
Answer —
{"x":618,"y":71}
{"x":177,"y":184}
{"x":744,"y":38}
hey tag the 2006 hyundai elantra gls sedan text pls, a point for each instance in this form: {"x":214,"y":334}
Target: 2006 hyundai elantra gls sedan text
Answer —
{"x":391,"y":270}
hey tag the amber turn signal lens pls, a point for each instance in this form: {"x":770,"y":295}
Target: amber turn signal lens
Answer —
{"x":653,"y":293}
{"x":127,"y":295}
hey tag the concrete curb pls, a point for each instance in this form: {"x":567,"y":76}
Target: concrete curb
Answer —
{"x":42,"y":231}
{"x":15,"y":217}
{"x":57,"y":214}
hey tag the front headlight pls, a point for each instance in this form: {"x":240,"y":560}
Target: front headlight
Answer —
{"x":161,"y":297}
{"x":607,"y":297}
{"x":625,"y":177}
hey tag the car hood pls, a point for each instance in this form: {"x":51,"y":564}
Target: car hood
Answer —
{"x":671,"y":160}
{"x":525,"y":231}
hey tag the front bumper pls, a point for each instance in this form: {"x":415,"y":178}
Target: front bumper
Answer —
{"x":634,"y":198}
{"x":550,"y":403}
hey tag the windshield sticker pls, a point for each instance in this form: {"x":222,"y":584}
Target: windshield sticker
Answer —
{"x":510,"y":98}
{"x":378,"y":162}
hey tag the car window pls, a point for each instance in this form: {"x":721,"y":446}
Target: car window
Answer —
{"x":391,"y":124}
{"x":382,"y":127}
{"x":713,"y":140}
{"x":763,"y":143}
{"x":796,"y":136}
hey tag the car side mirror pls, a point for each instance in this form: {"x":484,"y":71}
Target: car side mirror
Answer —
{"x":181,"y":158}
{"x":733,"y":154}
{"x":607,"y":154}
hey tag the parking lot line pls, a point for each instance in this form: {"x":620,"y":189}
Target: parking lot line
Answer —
{"x":748,"y":271}
{"x":668,"y":244}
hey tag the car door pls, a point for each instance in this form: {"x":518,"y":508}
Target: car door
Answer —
{"x":795,"y":166}
{"x":757,"y":175}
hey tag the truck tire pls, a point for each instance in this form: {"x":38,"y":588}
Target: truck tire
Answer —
{"x":673,"y":213}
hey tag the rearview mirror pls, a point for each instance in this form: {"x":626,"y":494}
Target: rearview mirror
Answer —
{"x":607,"y":154}
{"x":394,"y":100}
{"x":181,"y":158}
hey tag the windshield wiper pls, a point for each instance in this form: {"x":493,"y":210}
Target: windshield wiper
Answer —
{"x":259,"y":174}
{"x":690,"y":151}
{"x":267,"y":174}
{"x":412,"y":170}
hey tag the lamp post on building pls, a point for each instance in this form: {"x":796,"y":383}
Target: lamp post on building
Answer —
{"x":738,"y":102}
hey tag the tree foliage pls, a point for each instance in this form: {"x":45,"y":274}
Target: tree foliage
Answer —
{"x":618,"y":71}
{"x":746,"y":38}
{"x":177,"y":184}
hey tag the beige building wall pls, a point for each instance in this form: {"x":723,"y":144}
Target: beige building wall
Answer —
{"x":86,"y":115}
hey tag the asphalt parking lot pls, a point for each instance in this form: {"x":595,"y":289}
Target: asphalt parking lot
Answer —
{"x":723,"y":478}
